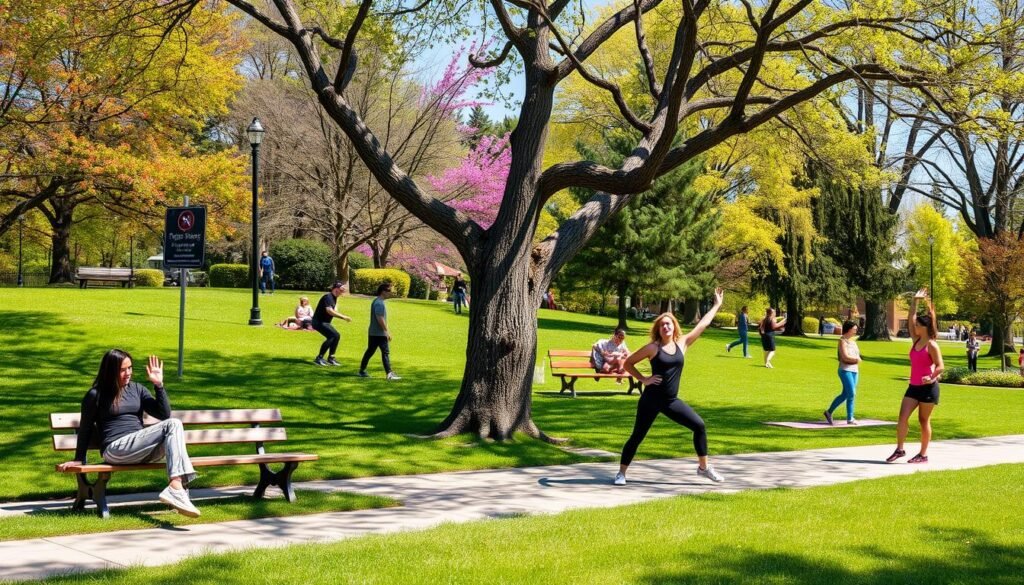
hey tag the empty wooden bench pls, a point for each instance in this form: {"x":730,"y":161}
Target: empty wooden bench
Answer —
{"x":97,"y":490}
{"x":570,"y":365}
{"x":126,"y":276}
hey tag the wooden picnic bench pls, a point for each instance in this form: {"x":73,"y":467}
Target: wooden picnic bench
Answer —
{"x":126,"y":276}
{"x":97,"y":490}
{"x":570,"y":365}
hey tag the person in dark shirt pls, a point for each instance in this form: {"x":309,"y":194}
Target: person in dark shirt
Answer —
{"x":322,"y":316}
{"x":112,"y":414}
{"x":459,"y":293}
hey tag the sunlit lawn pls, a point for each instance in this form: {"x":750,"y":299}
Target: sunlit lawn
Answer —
{"x":51,"y":341}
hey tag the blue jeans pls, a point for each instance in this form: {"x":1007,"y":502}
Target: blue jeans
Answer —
{"x":849,"y":380}
{"x":743,"y":340}
{"x":268,"y":277}
{"x":459,"y":299}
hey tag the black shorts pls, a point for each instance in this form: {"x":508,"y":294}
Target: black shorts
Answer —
{"x":927,"y":393}
{"x":768,"y":342}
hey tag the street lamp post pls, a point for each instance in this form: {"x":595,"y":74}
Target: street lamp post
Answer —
{"x":931,"y":272}
{"x":255,"y":133}
{"x":21,"y":231}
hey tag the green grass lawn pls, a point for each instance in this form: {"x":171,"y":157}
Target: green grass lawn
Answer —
{"x":51,"y":341}
{"x":43,"y":523}
{"x":908,"y":529}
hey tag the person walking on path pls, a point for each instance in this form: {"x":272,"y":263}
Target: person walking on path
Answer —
{"x":266,"y":273}
{"x":849,"y":360}
{"x":323,"y":315}
{"x":925,"y":368}
{"x":379,"y":334}
{"x":666,"y":353}
{"x":459,"y":293}
{"x":743,"y":323}
{"x":112,"y":413}
{"x":767,"y":329}
{"x":973,"y":347}
{"x":1020,"y":361}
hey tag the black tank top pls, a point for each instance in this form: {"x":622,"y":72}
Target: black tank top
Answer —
{"x":670,"y":368}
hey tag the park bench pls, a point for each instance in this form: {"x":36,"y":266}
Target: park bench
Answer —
{"x":570,"y":365}
{"x":97,"y":490}
{"x":126,"y":276}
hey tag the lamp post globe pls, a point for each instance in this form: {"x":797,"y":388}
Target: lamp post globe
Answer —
{"x":255,"y":133}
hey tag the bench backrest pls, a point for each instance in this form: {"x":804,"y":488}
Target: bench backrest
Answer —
{"x":99,"y":271}
{"x":250,"y":416}
{"x":560,"y":359}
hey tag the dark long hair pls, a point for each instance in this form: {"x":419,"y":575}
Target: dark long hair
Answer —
{"x":928,"y":320}
{"x":106,"y":382}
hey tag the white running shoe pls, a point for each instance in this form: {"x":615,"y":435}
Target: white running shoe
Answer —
{"x":620,"y":478}
{"x":710,"y":473}
{"x":728,"y":348}
{"x":178,"y":499}
{"x":394,"y":376}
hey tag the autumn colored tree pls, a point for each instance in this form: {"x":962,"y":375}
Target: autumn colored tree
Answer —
{"x":993,"y":283}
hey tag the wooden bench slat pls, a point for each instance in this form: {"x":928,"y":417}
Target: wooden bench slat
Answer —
{"x":205,"y":461}
{"x":568,"y":353}
{"x":70,"y":420}
{"x":571,"y":365}
{"x":589,"y":375}
{"x":196,"y":437}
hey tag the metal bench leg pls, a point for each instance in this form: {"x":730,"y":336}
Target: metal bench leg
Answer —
{"x":572,"y":386}
{"x":95,"y":491}
{"x":635,"y":384}
{"x":282,"y":479}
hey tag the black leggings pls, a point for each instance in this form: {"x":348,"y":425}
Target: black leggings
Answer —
{"x":332,"y":335}
{"x":648,"y":408}
{"x":372,"y":344}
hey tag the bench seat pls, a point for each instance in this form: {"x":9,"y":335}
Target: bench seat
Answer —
{"x":126,"y":276}
{"x":570,"y":370}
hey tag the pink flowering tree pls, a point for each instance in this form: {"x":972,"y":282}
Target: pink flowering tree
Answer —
{"x":476,"y":186}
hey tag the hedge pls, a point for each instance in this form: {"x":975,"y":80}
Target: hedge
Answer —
{"x":149,"y":277}
{"x":810,"y":325}
{"x":724,"y":319}
{"x":303,"y":264}
{"x":961,"y":375}
{"x":366,"y":280}
{"x":230,"y":276}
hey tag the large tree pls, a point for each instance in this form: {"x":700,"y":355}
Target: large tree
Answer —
{"x":703,"y":88}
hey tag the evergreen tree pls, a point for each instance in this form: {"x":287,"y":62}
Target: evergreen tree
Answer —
{"x":482,"y":124}
{"x":660,"y":244}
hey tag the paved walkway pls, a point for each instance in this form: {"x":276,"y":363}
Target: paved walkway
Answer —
{"x":471,"y":495}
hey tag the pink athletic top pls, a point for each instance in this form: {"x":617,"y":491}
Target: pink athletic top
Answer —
{"x":921,"y":364}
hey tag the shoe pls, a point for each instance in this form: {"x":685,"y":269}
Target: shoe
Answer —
{"x":178,"y":499}
{"x":363,"y":374}
{"x":769,"y":366}
{"x":918,"y":459}
{"x":710,"y":473}
{"x":747,"y":357}
{"x":728,"y":348}
{"x":320,"y":361}
{"x":828,"y":418}
{"x":393,"y":376}
{"x":896,"y":455}
{"x":333,"y":362}
{"x":620,"y":478}
{"x":852,"y":421}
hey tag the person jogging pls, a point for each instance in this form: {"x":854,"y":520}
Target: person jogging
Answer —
{"x":743,"y":322}
{"x":322,"y":316}
{"x":379,"y":334}
{"x":849,"y":370}
{"x":666,"y":353}
{"x":925,"y":368}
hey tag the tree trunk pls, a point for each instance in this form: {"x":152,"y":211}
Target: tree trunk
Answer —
{"x":794,"y":316}
{"x":875,"y":327}
{"x":622,"y":304}
{"x":691,"y":309}
{"x":60,"y":222}
{"x":1002,"y":337}
{"x":341,"y":267}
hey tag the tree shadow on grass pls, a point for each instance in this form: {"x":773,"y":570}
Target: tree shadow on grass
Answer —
{"x":943,"y":555}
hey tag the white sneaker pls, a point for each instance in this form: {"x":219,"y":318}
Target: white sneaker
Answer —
{"x":710,"y":473}
{"x":178,"y":499}
{"x":620,"y":478}
{"x":728,"y":348}
{"x":394,"y":376}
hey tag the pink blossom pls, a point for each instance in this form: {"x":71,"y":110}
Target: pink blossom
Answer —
{"x":477,"y":185}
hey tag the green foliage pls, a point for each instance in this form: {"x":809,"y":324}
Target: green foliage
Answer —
{"x":357,"y":260}
{"x":303,"y":264}
{"x":366,"y":280}
{"x":724,"y":319}
{"x":419,"y":287}
{"x":940,"y":259}
{"x":961,"y":375}
{"x":581,"y":301}
{"x":230,"y":276}
{"x":149,"y":277}
{"x":809,"y":325}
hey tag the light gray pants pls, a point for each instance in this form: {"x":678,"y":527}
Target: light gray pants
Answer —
{"x":167,"y":437}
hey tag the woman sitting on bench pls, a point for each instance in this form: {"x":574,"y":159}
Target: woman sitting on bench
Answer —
{"x":114,"y":406}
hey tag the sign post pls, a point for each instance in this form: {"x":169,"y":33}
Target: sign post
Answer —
{"x":184,"y":248}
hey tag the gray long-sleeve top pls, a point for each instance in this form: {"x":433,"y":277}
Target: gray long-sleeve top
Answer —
{"x":113,"y":424}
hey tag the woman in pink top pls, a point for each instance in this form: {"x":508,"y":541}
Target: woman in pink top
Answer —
{"x":925,"y":368}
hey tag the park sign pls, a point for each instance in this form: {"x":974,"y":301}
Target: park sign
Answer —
{"x":185,"y":237}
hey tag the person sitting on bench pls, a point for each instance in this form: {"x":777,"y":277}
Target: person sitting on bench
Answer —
{"x":608,"y":356}
{"x":114,"y":407}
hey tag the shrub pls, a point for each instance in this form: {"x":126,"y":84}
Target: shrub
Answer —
{"x":1010,"y":379}
{"x":230,"y":275}
{"x":149,"y":277}
{"x":724,"y":319}
{"x":357,"y":261}
{"x":418,"y":287}
{"x":303,"y":264}
{"x":810,"y":325}
{"x":580,"y":301}
{"x":366,"y":280}
{"x":198,"y":278}
{"x":835,"y":322}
